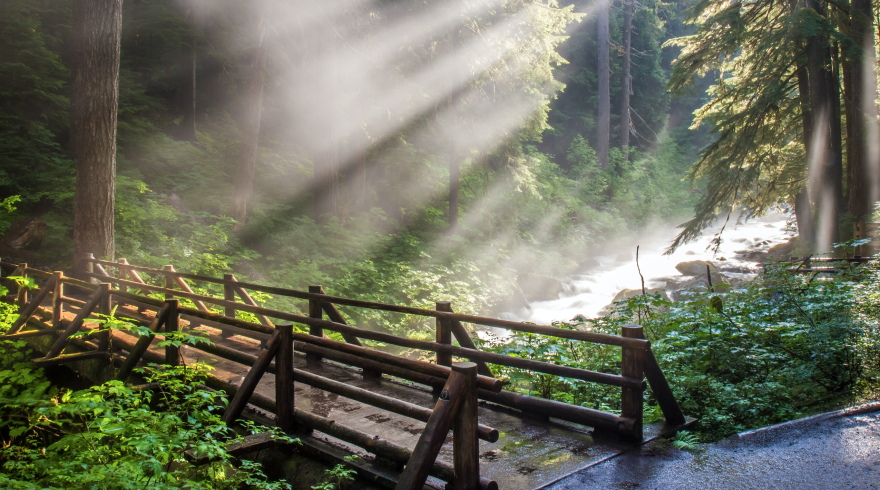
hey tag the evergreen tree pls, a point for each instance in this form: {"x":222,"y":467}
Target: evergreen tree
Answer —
{"x":96,"y":31}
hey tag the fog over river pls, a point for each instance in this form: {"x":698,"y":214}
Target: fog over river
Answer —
{"x":588,"y":291}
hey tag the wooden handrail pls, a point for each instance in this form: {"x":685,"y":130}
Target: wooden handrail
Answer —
{"x":483,"y":382}
{"x":491,"y":357}
{"x":473,"y":354}
{"x":491,"y":322}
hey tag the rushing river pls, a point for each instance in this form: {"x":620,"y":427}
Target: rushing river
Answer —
{"x":588,"y":291}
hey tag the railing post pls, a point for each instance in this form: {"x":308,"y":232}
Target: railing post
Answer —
{"x":316,"y":310}
{"x":229,"y":294}
{"x":90,"y":267}
{"x":465,"y":439}
{"x":284,"y":393}
{"x":632,"y":366}
{"x":22,"y":291}
{"x":444,"y":333}
{"x":104,"y":308}
{"x":169,"y":280}
{"x":122,"y":273}
{"x":57,"y":309}
{"x":172,"y":325}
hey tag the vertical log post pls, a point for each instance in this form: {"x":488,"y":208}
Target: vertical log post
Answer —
{"x":56,"y":300}
{"x":172,"y":325}
{"x":22,"y":298}
{"x":122,"y":273}
{"x":90,"y":267}
{"x":169,"y":280}
{"x":444,"y":334}
{"x":104,"y":308}
{"x":316,"y":310}
{"x":465,"y":441}
{"x":632,"y":366}
{"x":284,"y":394}
{"x":446,"y":409}
{"x":229,"y":294}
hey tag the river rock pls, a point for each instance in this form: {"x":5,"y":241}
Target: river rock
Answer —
{"x":695,"y":267}
{"x":589,"y":263}
{"x":783,"y":251}
{"x":631,"y":293}
{"x":537,"y":287}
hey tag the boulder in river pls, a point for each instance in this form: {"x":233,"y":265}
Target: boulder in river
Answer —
{"x":540,"y":288}
{"x":631,"y":293}
{"x":695,"y":267}
{"x":589,"y":263}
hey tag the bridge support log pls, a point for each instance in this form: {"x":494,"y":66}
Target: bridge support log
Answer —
{"x":632,"y":366}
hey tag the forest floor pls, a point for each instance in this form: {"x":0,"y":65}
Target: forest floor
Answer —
{"x":838,"y":450}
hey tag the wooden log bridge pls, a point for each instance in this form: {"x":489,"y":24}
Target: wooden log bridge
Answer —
{"x":294,"y":350}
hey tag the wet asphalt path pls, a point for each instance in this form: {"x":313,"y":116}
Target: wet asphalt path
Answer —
{"x":834,"y":453}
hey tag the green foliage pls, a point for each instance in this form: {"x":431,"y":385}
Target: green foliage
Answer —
{"x":33,"y":100}
{"x":686,"y":440}
{"x":111,"y":436}
{"x":776,"y":349}
{"x":338,"y":474}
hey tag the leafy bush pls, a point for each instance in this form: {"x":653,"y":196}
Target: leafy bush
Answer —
{"x":781,"y":347}
{"x":111,"y":436}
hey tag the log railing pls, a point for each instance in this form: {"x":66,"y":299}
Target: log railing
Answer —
{"x":277,"y":358}
{"x":638,"y":362}
{"x":449,"y":325}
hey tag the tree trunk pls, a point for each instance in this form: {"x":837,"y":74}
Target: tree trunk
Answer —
{"x":94,"y":99}
{"x":836,"y":170}
{"x":822,"y":156}
{"x":604,"y":123}
{"x":187,"y":129}
{"x":328,"y":164}
{"x":802,"y":210}
{"x":862,"y":87}
{"x":626,"y":86}
{"x":853,"y":145}
{"x":250,"y":128}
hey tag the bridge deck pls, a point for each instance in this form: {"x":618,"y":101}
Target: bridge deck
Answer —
{"x":529,"y":453}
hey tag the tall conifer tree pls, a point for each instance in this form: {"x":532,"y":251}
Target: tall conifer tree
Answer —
{"x":96,"y":33}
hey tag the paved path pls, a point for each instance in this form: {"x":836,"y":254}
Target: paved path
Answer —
{"x":840,"y":452}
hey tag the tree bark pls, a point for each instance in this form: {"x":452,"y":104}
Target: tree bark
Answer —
{"x":626,"y":85}
{"x":822,"y":156}
{"x":604,"y":123}
{"x":862,"y":104}
{"x":250,"y":127}
{"x":94,"y":99}
{"x":853,"y":146}
{"x":802,"y":209}
{"x":328,"y":163}
{"x":836,"y":170}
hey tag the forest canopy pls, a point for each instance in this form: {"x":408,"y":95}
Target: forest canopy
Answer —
{"x":409,"y":150}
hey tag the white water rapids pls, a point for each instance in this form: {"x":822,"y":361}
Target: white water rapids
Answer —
{"x":588,"y":291}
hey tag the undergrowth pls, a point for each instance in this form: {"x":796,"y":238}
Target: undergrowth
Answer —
{"x":112,"y":436}
{"x":779,"y":348}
